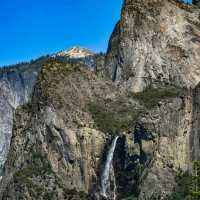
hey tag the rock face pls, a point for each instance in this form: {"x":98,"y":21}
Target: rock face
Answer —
{"x":172,"y":123}
{"x":61,"y":138}
{"x":15,"y":89}
{"x":16,"y":83}
{"x":195,"y":138}
{"x":155,"y":43}
{"x":141,"y":107}
{"x":56,"y":135}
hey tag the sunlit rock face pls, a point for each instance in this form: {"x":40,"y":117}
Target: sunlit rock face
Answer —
{"x":15,"y":89}
{"x":17,"y":82}
{"x":54,"y":142}
{"x":155,"y":43}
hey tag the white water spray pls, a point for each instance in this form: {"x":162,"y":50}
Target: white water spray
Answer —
{"x":106,"y":171}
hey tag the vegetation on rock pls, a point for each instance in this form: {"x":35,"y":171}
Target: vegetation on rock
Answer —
{"x":119,"y":115}
{"x":113,"y":117}
{"x":150,"y":97}
{"x":188,"y":185}
{"x":38,"y":168}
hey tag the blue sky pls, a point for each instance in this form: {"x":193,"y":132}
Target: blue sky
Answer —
{"x":188,"y":1}
{"x":32,"y":28}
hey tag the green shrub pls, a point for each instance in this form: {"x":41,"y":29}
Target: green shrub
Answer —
{"x":150,"y":97}
{"x":188,"y":185}
{"x":182,"y":190}
{"x":130,"y":198}
{"x":113,"y":117}
{"x":38,"y":167}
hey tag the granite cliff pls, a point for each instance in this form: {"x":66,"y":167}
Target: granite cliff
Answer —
{"x":155,"y":43}
{"x":16,"y":83}
{"x":122,"y":129}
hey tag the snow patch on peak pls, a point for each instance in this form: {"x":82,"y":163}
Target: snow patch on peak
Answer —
{"x":76,"y":53}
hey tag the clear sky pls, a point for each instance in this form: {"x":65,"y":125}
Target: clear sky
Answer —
{"x":32,"y":28}
{"x":188,"y":1}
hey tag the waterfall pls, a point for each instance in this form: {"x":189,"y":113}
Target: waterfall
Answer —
{"x":106,"y":171}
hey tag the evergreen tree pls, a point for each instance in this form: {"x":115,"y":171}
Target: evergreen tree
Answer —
{"x":195,"y":184}
{"x":196,"y":2}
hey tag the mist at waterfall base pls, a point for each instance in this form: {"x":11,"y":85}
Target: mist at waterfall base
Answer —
{"x":105,"y":178}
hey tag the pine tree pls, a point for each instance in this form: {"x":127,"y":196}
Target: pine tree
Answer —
{"x":195,"y":183}
{"x":196,"y":2}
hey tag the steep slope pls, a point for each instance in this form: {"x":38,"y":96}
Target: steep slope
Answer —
{"x":58,"y":128}
{"x":15,"y":89}
{"x":16,"y":83}
{"x":155,"y":43}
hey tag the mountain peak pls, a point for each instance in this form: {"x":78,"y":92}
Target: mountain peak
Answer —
{"x":76,"y":52}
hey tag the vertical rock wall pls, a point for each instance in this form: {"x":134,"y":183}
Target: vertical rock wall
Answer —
{"x":155,"y":43}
